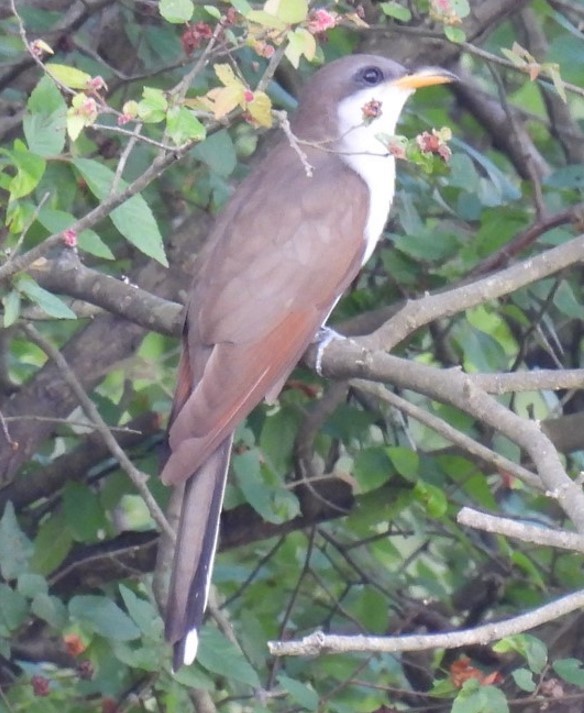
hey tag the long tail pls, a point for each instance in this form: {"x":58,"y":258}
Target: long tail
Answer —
{"x":194,"y":554}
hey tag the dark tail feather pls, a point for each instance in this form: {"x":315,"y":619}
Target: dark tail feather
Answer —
{"x":194,"y":554}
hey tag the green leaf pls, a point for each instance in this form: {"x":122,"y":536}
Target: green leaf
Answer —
{"x":432,"y":498}
{"x":153,"y":106}
{"x":288,"y":11}
{"x":567,"y":177}
{"x":218,"y":655}
{"x":242,"y":6}
{"x":532,"y":648}
{"x":182,"y":125}
{"x":373,"y":468}
{"x":13,"y":609}
{"x":69,"y":76}
{"x":218,"y":152}
{"x":272,"y":502}
{"x":47,"y":301}
{"x":397,"y":11}
{"x":15,"y":546}
{"x":277,"y":437}
{"x":11,"y":303}
{"x":30,"y":584}
{"x":143,"y":613}
{"x":134,"y":218}
{"x":57,"y":221}
{"x":567,"y":302}
{"x":474,"y":698}
{"x":455,"y":34}
{"x":265,"y":19}
{"x":405,"y":460}
{"x":300,"y":43}
{"x":50,"y":609}
{"x":52,"y":544}
{"x":146,"y":658}
{"x":104,"y":617}
{"x":29,"y":170}
{"x":300,"y":693}
{"x":83,"y":512}
{"x":176,"y":11}
{"x":45,"y":122}
{"x":571,"y":670}
{"x":460,"y":8}
{"x":524,"y":679}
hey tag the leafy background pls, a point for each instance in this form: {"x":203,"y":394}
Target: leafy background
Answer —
{"x":125,"y":126}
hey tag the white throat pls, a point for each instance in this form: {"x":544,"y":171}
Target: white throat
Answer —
{"x":361,"y":150}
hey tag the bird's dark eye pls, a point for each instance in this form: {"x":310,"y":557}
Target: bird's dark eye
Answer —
{"x":371,"y":76}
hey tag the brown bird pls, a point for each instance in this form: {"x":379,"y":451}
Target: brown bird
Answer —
{"x":277,"y":261}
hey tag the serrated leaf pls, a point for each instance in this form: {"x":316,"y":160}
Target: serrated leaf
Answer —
{"x":47,"y":301}
{"x":300,"y":693}
{"x":218,"y":655}
{"x":300,"y":43}
{"x":182,"y":126}
{"x":11,"y":303}
{"x":176,"y":11}
{"x":15,"y":546}
{"x":69,"y":76}
{"x":104,"y":617}
{"x":153,"y":106}
{"x":134,"y":218}
{"x":45,"y":121}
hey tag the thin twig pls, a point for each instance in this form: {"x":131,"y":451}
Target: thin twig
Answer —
{"x":452,"y":434}
{"x":282,"y":117}
{"x":136,"y":476}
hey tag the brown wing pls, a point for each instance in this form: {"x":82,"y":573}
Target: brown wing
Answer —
{"x":279,"y":257}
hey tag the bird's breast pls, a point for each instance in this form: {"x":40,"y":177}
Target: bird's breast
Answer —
{"x":378,"y":172}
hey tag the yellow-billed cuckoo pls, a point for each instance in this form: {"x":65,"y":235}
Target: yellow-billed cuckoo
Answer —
{"x":277,"y":260}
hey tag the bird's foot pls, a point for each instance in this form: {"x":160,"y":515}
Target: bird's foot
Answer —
{"x":324,"y":337}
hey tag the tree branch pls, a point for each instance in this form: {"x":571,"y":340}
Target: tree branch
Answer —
{"x":321,"y":643}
